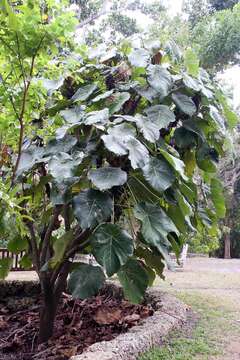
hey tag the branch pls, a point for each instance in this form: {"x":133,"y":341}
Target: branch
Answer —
{"x":78,"y":244}
{"x":22,"y":112}
{"x":48,"y":234}
{"x":33,"y":242}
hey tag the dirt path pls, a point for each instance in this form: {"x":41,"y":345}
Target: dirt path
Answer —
{"x":212,"y":285}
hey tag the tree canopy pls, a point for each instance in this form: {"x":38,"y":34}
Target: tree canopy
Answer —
{"x":99,"y":154}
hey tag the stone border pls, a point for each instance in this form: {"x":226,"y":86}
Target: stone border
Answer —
{"x":171,"y":313}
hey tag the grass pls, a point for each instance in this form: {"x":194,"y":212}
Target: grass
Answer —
{"x":207,"y":338}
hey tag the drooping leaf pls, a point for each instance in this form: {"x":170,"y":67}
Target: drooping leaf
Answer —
{"x":176,"y":163}
{"x":92,"y":207}
{"x":184,"y":103}
{"x":106,"y":178}
{"x":134,"y":280}
{"x":85,"y":281}
{"x":151,"y":259}
{"x":139,"y":58}
{"x":138,"y":153}
{"x":159,"y":174}
{"x":84,"y":92}
{"x":112,"y":247}
{"x":217,"y":196}
{"x":5,"y":267}
{"x":160,"y":115}
{"x":155,"y":226}
{"x":160,"y":79}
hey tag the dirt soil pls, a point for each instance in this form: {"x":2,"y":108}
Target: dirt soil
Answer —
{"x":78,"y":325}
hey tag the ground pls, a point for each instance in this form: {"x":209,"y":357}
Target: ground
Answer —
{"x":211,"y":288}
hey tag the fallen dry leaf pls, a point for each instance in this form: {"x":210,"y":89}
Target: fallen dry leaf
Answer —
{"x":106,"y":316}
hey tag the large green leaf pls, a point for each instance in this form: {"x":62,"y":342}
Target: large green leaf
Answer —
{"x":147,"y":92}
{"x":29,"y":158}
{"x":217,"y":197}
{"x":84,"y":92}
{"x":85,"y":281}
{"x":5,"y":267}
{"x":73,"y":115}
{"x":139,"y":58}
{"x":184,"y":138}
{"x":138,"y":153}
{"x":92,"y":207}
{"x":159,"y":174}
{"x":191,"y":83}
{"x":160,"y":115}
{"x":117,"y":136}
{"x":134,"y":280}
{"x":148,"y":128}
{"x":54,"y":147}
{"x":155,"y":226}
{"x":184,"y":103}
{"x":112,"y":247}
{"x":97,"y":117}
{"x":63,"y":166}
{"x":106,"y":178}
{"x":160,"y":79}
{"x":117,"y":101}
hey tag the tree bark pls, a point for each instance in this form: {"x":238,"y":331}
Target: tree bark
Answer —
{"x":227,"y":246}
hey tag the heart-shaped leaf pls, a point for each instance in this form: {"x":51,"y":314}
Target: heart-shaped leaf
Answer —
{"x":106,"y":178}
{"x":134,"y":280}
{"x":112,"y":247}
{"x":85,"y":281}
{"x":159,"y":174}
{"x":184,"y":103}
{"x":92,"y":207}
{"x":160,"y":79}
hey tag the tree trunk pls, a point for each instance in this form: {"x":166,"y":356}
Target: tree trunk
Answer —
{"x":227,"y":246}
{"x":47,"y":315}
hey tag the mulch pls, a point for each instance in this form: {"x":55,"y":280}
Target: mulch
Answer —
{"x":79,"y":324}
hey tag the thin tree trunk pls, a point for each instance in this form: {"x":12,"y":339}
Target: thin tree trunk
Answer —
{"x":47,"y":314}
{"x":227,"y":246}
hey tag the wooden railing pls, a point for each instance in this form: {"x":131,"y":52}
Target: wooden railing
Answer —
{"x":4,"y":253}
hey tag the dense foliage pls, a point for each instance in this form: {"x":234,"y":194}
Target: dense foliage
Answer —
{"x":92,"y":140}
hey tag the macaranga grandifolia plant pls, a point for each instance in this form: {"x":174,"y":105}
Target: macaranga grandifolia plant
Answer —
{"x":90,"y":142}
